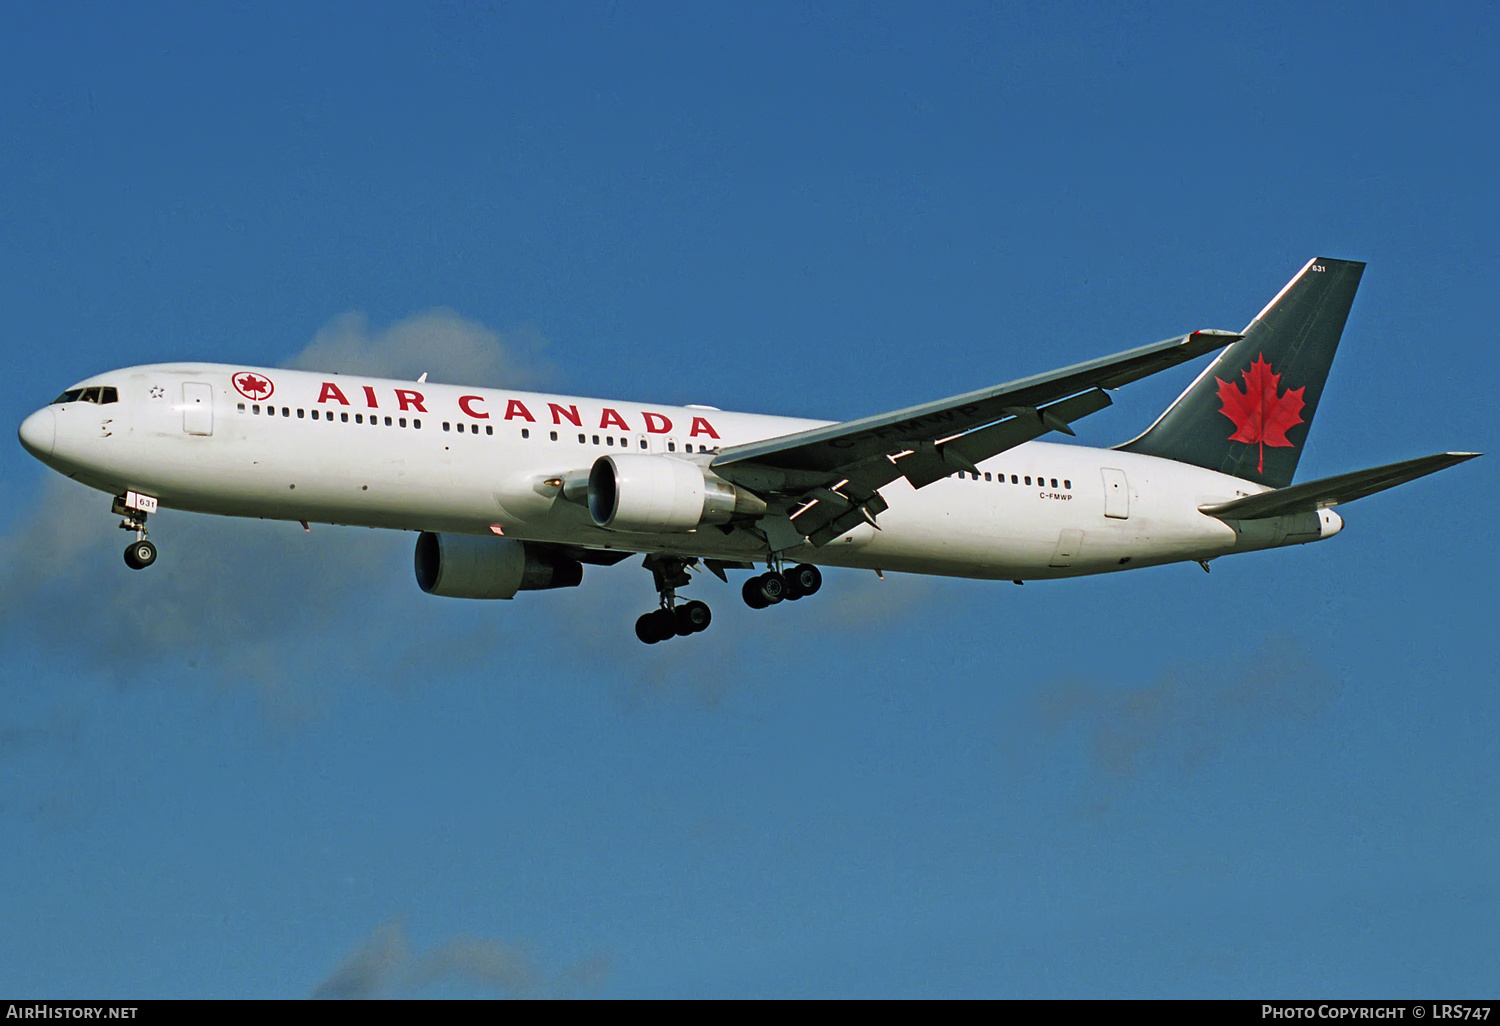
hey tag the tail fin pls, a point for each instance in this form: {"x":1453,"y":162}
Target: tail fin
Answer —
{"x":1248,"y":414}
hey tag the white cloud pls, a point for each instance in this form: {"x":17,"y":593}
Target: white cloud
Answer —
{"x":385,"y":966}
{"x":438,"y":342}
{"x":1179,"y":721}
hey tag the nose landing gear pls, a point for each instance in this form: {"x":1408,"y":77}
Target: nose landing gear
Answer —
{"x":140,"y":554}
{"x":134,"y":508}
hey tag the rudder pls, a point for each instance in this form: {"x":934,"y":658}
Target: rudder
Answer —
{"x":1249,"y":412}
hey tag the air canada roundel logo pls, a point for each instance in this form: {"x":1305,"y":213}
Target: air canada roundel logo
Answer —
{"x":253,"y":386}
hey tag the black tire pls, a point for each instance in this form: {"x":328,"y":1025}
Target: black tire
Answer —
{"x":645,"y":629}
{"x":666,"y":624}
{"x":806,"y":578}
{"x":696,"y":615}
{"x":140,"y":554}
{"x":772,"y":587}
{"x":793,"y":591}
{"x":751,"y":594}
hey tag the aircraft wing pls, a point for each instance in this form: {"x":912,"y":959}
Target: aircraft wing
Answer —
{"x":833,"y":474}
{"x":1330,"y":491}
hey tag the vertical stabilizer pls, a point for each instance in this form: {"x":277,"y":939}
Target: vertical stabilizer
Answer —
{"x":1249,"y":413}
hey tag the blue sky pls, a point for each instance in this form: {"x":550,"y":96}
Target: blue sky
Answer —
{"x":270,"y":766}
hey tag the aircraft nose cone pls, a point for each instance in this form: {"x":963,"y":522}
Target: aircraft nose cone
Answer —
{"x":39,"y":433}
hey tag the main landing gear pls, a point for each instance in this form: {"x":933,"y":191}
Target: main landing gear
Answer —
{"x":671,"y":620}
{"x":676,"y":619}
{"x":140,"y":553}
{"x":772,"y":587}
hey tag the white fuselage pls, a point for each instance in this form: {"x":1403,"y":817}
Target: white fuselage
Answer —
{"x":317,"y":447}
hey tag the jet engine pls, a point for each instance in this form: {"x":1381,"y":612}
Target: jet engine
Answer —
{"x":465,"y":566}
{"x":662,"y":493}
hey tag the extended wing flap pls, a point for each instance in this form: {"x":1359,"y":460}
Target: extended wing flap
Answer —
{"x":1331,"y":491}
{"x":831,"y":449}
{"x":924,"y":466}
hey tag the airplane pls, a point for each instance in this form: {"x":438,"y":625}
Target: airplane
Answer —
{"x":513,"y":491}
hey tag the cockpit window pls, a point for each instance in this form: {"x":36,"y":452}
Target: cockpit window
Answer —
{"x":99,"y":394}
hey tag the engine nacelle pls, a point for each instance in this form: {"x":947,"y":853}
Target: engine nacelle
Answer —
{"x":662,"y":493}
{"x":466,"y":566}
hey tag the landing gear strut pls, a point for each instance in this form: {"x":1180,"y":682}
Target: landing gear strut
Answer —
{"x":140,"y":553}
{"x":671,"y":620}
{"x":773,"y":586}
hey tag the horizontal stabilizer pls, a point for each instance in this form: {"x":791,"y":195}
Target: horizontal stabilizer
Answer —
{"x":1330,"y":491}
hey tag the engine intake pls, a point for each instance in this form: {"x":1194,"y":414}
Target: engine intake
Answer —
{"x":466,"y":566}
{"x":662,"y":493}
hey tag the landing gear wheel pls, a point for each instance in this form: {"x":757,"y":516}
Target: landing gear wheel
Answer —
{"x":750,"y":592}
{"x":766,"y":590}
{"x":692,"y":617}
{"x":805,"y":579}
{"x":665,"y":622}
{"x":657,"y":625}
{"x":645,"y":629}
{"x":140,"y":554}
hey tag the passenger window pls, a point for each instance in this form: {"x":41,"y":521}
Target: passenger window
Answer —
{"x":525,"y":432}
{"x":987,"y":475}
{"x":643,"y":443}
{"x":609,"y":440}
{"x":255,"y":408}
{"x":286,"y":411}
{"x":387,"y":422}
{"x":554,"y":436}
{"x":241,"y":407}
{"x":671,"y":447}
{"x":596,"y":439}
{"x":301,"y":413}
{"x":359,"y":418}
{"x":401,"y":421}
{"x":314,"y":414}
{"x":344,"y":417}
{"x":1054,"y":482}
{"x":447,"y":426}
{"x":581,"y":439}
{"x":416,"y":423}
{"x":1067,"y":484}
{"x":1013,"y":479}
{"x":1028,"y":479}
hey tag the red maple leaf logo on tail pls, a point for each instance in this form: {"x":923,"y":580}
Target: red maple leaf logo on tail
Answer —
{"x":1261,"y":417}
